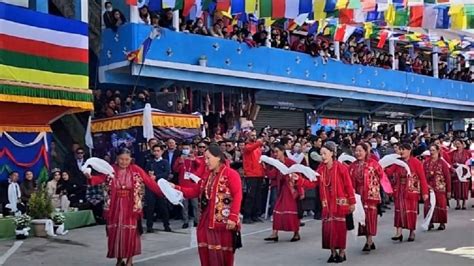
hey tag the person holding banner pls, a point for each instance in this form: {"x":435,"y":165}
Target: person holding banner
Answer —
{"x":290,"y":190}
{"x":366,"y":174}
{"x":123,"y":206}
{"x":460,"y":189}
{"x":438,"y":178}
{"x":220,"y":196}
{"x":407,"y":189}
{"x":338,"y":201}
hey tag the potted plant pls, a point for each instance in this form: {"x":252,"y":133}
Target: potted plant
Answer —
{"x":40,"y":207}
{"x":22,"y":226}
{"x":58,"y":220}
{"x":203,"y":60}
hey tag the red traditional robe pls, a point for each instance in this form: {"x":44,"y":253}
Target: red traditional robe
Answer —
{"x":285,"y":213}
{"x":337,"y":195}
{"x":460,"y":189}
{"x":406,"y":192}
{"x":366,"y":176}
{"x":439,"y":179}
{"x":220,"y":197}
{"x":123,"y":208}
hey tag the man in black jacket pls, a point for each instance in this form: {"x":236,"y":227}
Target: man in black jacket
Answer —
{"x":157,"y":169}
{"x":73,"y":167}
{"x":171,"y":155}
{"x":315,"y":159}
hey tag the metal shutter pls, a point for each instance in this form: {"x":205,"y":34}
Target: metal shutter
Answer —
{"x":282,"y":119}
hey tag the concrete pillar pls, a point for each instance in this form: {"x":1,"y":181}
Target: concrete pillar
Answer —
{"x":81,"y":11}
{"x":435,"y":62}
{"x":176,"y":20}
{"x":39,"y":5}
{"x":269,"y":36}
{"x":391,"y":50}
{"x":337,"y":50}
{"x":134,"y":15}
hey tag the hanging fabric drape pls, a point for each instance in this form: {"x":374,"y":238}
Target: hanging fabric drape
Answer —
{"x":41,"y":137}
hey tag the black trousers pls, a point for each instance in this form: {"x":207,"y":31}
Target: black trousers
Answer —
{"x":253,"y":199}
{"x":152,"y":202}
{"x":318,"y":208}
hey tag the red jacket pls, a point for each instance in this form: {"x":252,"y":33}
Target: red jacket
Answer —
{"x":181,"y":166}
{"x":251,"y":160}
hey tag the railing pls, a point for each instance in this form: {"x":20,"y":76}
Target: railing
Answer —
{"x":230,"y":58}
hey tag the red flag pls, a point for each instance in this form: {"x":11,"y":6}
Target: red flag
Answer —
{"x":278,"y":8}
{"x":223,"y":5}
{"x":188,"y":5}
{"x":346,"y":16}
{"x":416,"y":16}
{"x":340,"y":32}
{"x":383,"y":39}
{"x":131,"y":2}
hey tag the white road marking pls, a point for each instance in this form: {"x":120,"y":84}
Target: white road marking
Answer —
{"x":176,"y":251}
{"x":10,"y":252}
{"x":465,"y":252}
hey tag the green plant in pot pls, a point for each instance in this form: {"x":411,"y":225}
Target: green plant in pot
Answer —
{"x":22,"y":226}
{"x":40,"y":208}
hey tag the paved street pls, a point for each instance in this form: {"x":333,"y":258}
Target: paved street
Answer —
{"x":87,"y":246}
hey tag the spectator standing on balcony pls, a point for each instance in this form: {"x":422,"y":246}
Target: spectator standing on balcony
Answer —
{"x":216,"y":31}
{"x":111,"y":109}
{"x":118,"y":104}
{"x":140,"y":103}
{"x":118,"y":19}
{"x":155,"y":20}
{"x":299,"y":45}
{"x":199,"y":27}
{"x":417,"y":66}
{"x":108,"y":15}
{"x":260,"y":37}
{"x":167,"y":20}
{"x":144,"y":15}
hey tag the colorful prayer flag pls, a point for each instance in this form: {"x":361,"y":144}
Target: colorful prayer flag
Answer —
{"x":188,"y":5}
{"x":222,"y":5}
{"x":265,"y":8}
{"x":291,"y":8}
{"x":278,"y":8}
{"x":416,"y":16}
{"x":238,"y":6}
{"x":340,"y":32}
{"x":250,"y":6}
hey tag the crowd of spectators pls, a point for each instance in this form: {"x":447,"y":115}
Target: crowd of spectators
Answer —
{"x":354,"y":51}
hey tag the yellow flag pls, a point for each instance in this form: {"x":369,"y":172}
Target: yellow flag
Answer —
{"x":341,"y":4}
{"x":452,"y":44}
{"x":368,"y":29}
{"x":250,"y":6}
{"x":318,"y":7}
{"x":458,"y":18}
{"x":268,"y":22}
{"x":226,"y":13}
{"x":390,"y":15}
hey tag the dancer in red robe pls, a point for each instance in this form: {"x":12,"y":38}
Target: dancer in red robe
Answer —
{"x":123,"y":207}
{"x":406,"y":192}
{"x":220,"y":196}
{"x":337,"y":199}
{"x":460,"y":189}
{"x":289,"y":187}
{"x":438,"y":178}
{"x":366,"y":174}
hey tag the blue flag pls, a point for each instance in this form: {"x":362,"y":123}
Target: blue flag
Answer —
{"x":238,"y":6}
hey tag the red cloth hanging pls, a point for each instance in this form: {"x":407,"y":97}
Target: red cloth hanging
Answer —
{"x":41,"y":154}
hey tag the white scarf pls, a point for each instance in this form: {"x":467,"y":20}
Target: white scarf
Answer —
{"x":297,"y":157}
{"x":14,"y":194}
